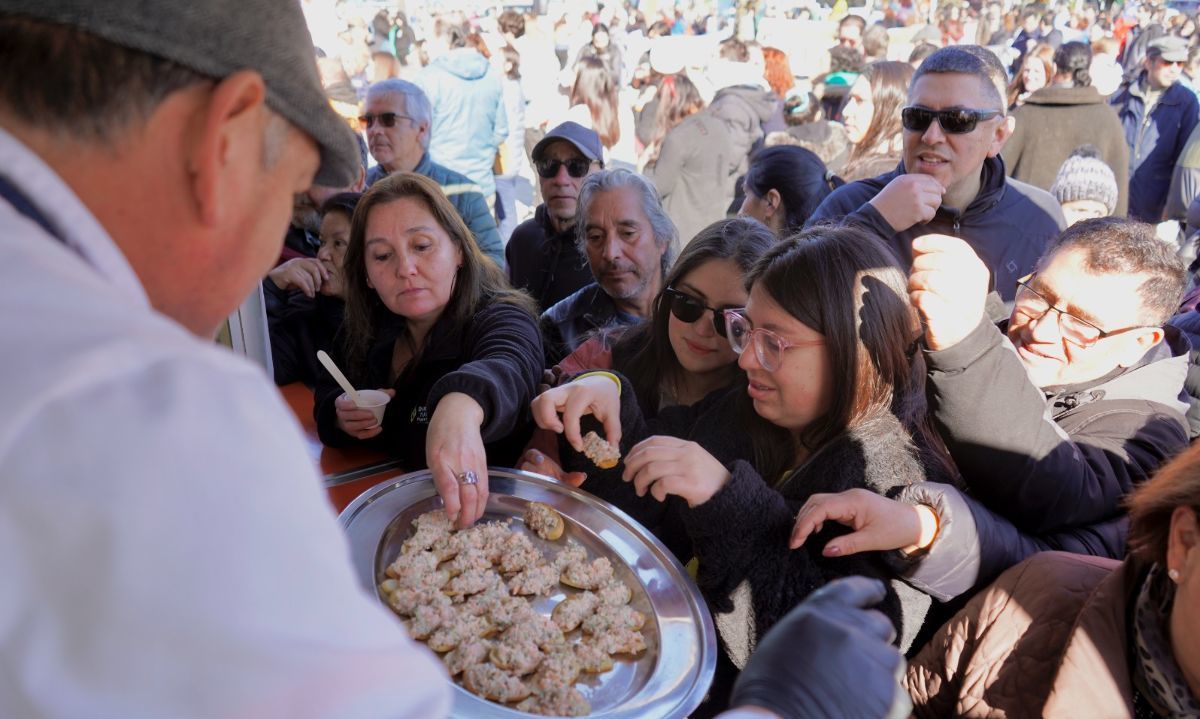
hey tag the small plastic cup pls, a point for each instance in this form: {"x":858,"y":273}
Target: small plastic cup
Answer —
{"x":374,"y":400}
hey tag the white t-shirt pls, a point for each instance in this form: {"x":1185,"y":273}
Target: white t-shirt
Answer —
{"x":167,"y":547}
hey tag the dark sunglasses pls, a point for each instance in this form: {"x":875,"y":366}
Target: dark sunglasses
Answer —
{"x":689,"y":309}
{"x":953,"y":122}
{"x":387,"y":119}
{"x":575,"y":168}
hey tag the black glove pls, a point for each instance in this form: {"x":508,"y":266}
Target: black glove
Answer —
{"x":829,"y":657}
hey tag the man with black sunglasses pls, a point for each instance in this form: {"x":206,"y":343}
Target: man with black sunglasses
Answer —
{"x":398,"y":120}
{"x":543,"y":258}
{"x":1158,"y":113}
{"x":952,"y":179}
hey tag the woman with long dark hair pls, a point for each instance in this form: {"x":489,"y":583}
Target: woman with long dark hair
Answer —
{"x":834,"y":400}
{"x":596,"y":93}
{"x":679,"y":354}
{"x":432,"y":322}
{"x":872,"y":118}
{"x":783,"y":186}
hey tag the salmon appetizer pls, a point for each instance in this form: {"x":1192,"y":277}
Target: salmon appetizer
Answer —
{"x":603,"y":453}
{"x":587,"y":575}
{"x":491,"y":682}
{"x":545,"y":520}
{"x":570,"y":612}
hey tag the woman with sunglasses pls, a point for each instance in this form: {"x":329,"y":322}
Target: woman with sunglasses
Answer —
{"x":835,"y":398}
{"x":435,"y":325}
{"x":680,"y":354}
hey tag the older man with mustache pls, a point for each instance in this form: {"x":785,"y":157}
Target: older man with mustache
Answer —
{"x":629,"y":242}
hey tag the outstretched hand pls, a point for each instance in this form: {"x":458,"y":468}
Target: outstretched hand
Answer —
{"x":559,"y":409}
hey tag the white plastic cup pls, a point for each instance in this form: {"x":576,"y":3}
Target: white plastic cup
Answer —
{"x":374,"y":400}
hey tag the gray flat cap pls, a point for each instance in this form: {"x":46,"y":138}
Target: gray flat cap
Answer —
{"x":217,"y":38}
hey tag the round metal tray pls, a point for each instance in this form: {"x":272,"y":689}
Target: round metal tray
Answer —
{"x":669,"y":679}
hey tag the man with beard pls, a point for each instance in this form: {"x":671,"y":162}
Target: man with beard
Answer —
{"x":630,"y":242}
{"x":397,"y":119}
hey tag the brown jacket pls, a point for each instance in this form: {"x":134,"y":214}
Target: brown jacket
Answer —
{"x":1047,"y":639}
{"x":1052,"y":123}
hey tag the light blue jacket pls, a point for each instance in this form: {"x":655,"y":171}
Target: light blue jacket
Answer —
{"x":469,"y":121}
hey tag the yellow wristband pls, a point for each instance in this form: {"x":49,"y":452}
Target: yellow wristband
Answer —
{"x":601,"y":373}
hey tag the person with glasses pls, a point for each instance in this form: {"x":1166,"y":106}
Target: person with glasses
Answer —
{"x":629,"y":243}
{"x":1158,"y":113}
{"x":397,"y":119}
{"x":543,"y":258}
{"x":834,"y":400}
{"x":1053,"y":417}
{"x":680,"y":354}
{"x":952,"y":178}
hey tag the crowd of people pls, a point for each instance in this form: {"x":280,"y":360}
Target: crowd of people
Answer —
{"x":897,"y":339}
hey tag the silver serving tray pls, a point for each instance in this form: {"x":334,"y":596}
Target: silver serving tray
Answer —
{"x":669,"y":679}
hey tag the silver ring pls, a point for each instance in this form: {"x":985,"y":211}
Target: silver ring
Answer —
{"x":467,"y":477}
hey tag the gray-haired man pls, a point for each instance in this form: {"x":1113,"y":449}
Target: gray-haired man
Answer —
{"x":952,"y":179}
{"x":168,"y":550}
{"x":630,"y":242}
{"x":397,"y":119}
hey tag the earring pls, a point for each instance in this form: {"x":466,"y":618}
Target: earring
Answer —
{"x":1174,"y":575}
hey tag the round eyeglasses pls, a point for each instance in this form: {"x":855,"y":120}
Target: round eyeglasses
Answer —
{"x":768,"y":346}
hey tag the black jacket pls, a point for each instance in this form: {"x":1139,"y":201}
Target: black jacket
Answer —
{"x":573,"y":319}
{"x":496,"y":358}
{"x":1189,"y":324}
{"x":1009,"y":223}
{"x":299,"y":326}
{"x":740,"y":536}
{"x":1064,"y":457}
{"x":545,"y":263}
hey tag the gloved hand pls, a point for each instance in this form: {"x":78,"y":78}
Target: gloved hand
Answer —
{"x":829,"y":657}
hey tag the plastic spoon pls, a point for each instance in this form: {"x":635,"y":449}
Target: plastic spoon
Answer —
{"x":330,"y":365}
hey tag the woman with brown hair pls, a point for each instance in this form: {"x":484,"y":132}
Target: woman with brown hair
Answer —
{"x":1036,"y":72}
{"x":595,"y":103}
{"x":872,"y":118}
{"x":678,"y":99}
{"x":433,"y":323}
{"x":834,"y":398}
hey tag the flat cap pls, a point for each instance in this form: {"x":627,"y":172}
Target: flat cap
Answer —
{"x":1171,"y":48}
{"x":217,"y":38}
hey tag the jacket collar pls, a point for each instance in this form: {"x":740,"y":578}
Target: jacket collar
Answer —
{"x":991,"y":189}
{"x":424,"y":166}
{"x":1157,"y":377}
{"x":1065,"y":96}
{"x":542,"y":216}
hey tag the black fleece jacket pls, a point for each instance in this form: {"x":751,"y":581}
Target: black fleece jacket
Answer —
{"x":740,"y":536}
{"x":496,"y":359}
{"x":545,"y":263}
{"x":299,"y":326}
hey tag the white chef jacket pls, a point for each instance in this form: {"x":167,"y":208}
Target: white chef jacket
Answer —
{"x":166,"y":548}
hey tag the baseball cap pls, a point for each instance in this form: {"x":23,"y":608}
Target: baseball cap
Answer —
{"x":1171,"y":48}
{"x":217,"y":38}
{"x":584,"y":140}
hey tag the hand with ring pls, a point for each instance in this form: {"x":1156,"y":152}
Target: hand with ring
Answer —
{"x":456,"y":457}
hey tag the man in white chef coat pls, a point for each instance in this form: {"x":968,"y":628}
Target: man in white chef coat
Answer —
{"x":166,"y":549}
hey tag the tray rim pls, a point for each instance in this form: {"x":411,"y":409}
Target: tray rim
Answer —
{"x":687,"y":701}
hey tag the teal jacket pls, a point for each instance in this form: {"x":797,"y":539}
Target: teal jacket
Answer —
{"x":469,"y":121}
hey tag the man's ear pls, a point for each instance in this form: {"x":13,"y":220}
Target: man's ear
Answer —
{"x":1142,"y":343}
{"x":361,"y":183}
{"x":1004,"y":130}
{"x":227,"y":136}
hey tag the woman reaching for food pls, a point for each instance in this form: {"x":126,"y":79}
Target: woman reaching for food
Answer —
{"x":835,"y":398}
{"x":432,"y":321}
{"x":680,"y":354}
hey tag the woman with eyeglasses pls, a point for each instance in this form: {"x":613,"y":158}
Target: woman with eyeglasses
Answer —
{"x":680,"y":354}
{"x":436,"y":326}
{"x":834,"y":399}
